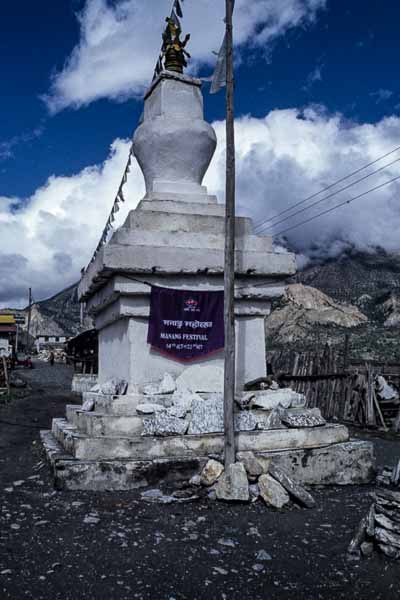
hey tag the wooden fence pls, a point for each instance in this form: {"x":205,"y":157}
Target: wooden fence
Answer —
{"x":343,"y":392}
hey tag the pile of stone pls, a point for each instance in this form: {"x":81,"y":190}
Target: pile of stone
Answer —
{"x":252,"y":478}
{"x":380,"y":529}
{"x":390,"y":476}
{"x":188,"y":408}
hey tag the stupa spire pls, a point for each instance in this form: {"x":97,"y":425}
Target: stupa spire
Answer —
{"x":173,"y":48}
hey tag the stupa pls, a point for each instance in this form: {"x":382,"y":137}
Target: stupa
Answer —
{"x":168,"y":421}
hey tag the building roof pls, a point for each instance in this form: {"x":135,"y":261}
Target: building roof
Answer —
{"x":7,"y":320}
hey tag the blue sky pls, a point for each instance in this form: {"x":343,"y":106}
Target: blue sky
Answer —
{"x":317,"y":95}
{"x":346,"y":61}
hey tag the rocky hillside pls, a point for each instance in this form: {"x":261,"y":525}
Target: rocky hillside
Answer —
{"x":360,"y":296}
{"x":304,"y":309}
{"x":56,"y":316}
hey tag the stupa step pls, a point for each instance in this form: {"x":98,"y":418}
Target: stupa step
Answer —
{"x":160,"y":221}
{"x":164,"y":198}
{"x":177,"y":206}
{"x":98,"y":424}
{"x":170,"y":260}
{"x":142,"y":448}
{"x":338,"y":464}
{"x":125,"y":405}
{"x":204,"y":241}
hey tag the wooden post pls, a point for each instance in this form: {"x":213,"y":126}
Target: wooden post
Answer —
{"x":346,"y":352}
{"x":29,"y":321}
{"x":229,"y":267}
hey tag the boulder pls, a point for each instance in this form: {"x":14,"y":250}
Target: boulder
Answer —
{"x":273,"y":420}
{"x":310,"y":417}
{"x":244,"y":399}
{"x":253,"y":467}
{"x":233,"y":486}
{"x":270,"y":399}
{"x":272,"y":492}
{"x":202,"y":378}
{"x":88,"y":405}
{"x":114,"y":387}
{"x":166,"y":386}
{"x":294,"y":489}
{"x":182,"y":403}
{"x":207,"y":415}
{"x":245,"y":421}
{"x":149,"y":409}
{"x":211,"y":472}
{"x":389,"y":538}
{"x":162,"y":424}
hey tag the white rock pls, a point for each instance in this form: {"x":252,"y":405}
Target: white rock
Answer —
{"x":211,"y":472}
{"x":114,"y":387}
{"x":244,"y":399}
{"x":88,"y":405}
{"x":273,"y":420}
{"x":233,"y":484}
{"x":162,"y":424}
{"x":149,"y":409}
{"x":253,"y":467}
{"x":272,"y":492}
{"x":207,"y":415}
{"x":245,"y":421}
{"x":306,"y":418}
{"x":270,"y":399}
{"x":182,"y":403}
{"x":165,"y":386}
{"x":202,"y":378}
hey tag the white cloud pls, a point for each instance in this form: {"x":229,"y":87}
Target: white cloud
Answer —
{"x":119,"y":42}
{"x":289,"y":155}
{"x":281,"y":159}
{"x":51,"y":236}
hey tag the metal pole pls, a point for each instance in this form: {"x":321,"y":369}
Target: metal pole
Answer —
{"x":229,"y":267}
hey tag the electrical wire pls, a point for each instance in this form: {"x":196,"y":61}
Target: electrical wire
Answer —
{"x":329,"y":210}
{"x":261,"y":223}
{"x":325,"y":212}
{"x":346,"y":187}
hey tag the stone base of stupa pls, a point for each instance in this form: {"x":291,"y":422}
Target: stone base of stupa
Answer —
{"x":107,"y":448}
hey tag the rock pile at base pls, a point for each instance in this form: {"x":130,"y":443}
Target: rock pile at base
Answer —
{"x":380,"y":529}
{"x":203,"y":412}
{"x":248,"y":480}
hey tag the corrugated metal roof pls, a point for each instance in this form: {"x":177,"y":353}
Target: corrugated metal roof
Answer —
{"x":7,"y":320}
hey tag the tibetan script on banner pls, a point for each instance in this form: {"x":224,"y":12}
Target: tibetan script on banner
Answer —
{"x":186,"y":324}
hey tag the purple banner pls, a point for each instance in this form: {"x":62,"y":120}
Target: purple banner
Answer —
{"x":186,"y":324}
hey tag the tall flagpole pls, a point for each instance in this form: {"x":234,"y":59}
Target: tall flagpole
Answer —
{"x":229,"y":268}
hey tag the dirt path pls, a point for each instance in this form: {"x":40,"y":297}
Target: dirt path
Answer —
{"x":73,"y":545}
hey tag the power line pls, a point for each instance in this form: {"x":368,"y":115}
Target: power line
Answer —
{"x":329,"y":210}
{"x":325,"y":212}
{"x":257,"y":226}
{"x":346,"y":187}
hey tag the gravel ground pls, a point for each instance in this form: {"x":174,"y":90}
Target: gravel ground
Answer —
{"x":70,"y":545}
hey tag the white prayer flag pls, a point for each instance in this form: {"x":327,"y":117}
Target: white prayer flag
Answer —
{"x":219,"y":77}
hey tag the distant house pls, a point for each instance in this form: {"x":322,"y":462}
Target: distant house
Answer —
{"x":49,"y":341}
{"x":8,"y":334}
